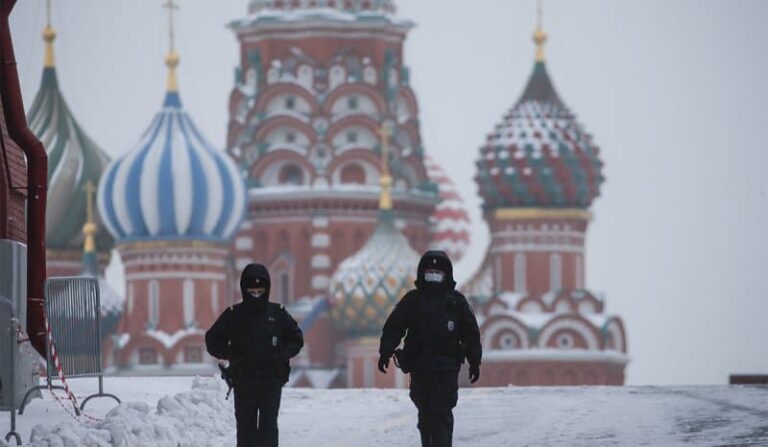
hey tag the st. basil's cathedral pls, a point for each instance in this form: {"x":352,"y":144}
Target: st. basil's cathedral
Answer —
{"x":324,"y":179}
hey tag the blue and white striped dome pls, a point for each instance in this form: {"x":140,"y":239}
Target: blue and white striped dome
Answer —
{"x":172,"y":185}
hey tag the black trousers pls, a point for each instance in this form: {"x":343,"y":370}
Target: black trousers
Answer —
{"x":257,"y":405}
{"x":435,"y":395}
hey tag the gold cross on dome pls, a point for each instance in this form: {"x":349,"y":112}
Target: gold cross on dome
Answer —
{"x":171,"y":6}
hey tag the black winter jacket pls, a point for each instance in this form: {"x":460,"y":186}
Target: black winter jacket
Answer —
{"x":256,"y":336}
{"x":438,"y":324}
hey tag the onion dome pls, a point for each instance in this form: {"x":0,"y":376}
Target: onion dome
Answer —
{"x":73,"y":160}
{"x":387,"y":6}
{"x":368,"y":284}
{"x":539,"y":155}
{"x":449,"y":224}
{"x":173,"y":184}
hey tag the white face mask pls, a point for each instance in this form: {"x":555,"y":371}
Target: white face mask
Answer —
{"x":433,"y":277}
{"x":256,"y":295}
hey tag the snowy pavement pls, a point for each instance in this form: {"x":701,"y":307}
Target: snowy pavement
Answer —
{"x":176,"y":411}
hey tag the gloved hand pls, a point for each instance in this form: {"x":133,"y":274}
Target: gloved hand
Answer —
{"x":383,"y":363}
{"x":474,"y":373}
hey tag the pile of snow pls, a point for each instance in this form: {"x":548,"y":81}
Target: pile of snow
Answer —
{"x":199,"y":417}
{"x":179,"y":411}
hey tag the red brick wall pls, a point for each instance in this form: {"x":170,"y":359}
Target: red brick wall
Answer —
{"x":549,"y":234}
{"x":13,"y":193}
{"x":170,"y":265}
{"x":542,"y":373}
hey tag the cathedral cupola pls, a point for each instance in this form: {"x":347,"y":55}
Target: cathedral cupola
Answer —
{"x":74,"y":161}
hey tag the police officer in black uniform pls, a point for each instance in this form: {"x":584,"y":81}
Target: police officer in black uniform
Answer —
{"x":258,"y":338}
{"x":441,"y":332}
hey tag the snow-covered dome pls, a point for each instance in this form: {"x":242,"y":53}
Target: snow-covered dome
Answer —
{"x":539,"y":155}
{"x":387,"y":6}
{"x":173,"y":184}
{"x":367,"y":285}
{"x":74,"y":161}
{"x":449,"y":224}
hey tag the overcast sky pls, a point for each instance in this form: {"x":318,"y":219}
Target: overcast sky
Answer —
{"x":674,"y":93}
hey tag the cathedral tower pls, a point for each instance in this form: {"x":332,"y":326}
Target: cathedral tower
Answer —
{"x":173,"y":203}
{"x":537,"y":174}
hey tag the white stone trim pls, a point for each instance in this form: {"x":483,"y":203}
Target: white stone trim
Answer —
{"x":580,"y":327}
{"x":493,"y":329}
{"x":553,"y":355}
{"x":175,"y":275}
{"x":320,"y":282}
{"x":240,"y":263}
{"x":175,"y":260}
{"x":321,"y":261}
{"x":281,"y":219}
{"x":320,"y":221}
{"x":332,"y":32}
{"x":539,"y":233}
{"x":533,"y":247}
{"x":244,"y":243}
{"x":618,"y":336}
{"x":321,"y":240}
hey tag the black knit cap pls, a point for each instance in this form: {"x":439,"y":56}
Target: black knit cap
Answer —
{"x":435,"y":260}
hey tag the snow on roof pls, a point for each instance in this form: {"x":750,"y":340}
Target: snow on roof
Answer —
{"x":554,"y":355}
{"x":319,"y":14}
{"x":169,"y":340}
{"x":538,"y":320}
{"x":302,"y":192}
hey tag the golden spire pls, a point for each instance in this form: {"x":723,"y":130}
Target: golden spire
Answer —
{"x":49,"y":35}
{"x":385,"y":199}
{"x":539,"y":35}
{"x":172,"y":58}
{"x":89,"y":229}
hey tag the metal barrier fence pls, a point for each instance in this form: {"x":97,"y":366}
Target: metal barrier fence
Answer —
{"x":8,"y":349}
{"x":72,"y":306}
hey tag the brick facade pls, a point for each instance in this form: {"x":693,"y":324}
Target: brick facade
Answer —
{"x":13,"y":187}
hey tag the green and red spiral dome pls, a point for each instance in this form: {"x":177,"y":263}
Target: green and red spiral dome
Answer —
{"x":539,"y":155}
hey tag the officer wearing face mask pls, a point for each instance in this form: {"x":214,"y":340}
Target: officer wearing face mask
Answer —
{"x":441,"y":332}
{"x":258,"y":338}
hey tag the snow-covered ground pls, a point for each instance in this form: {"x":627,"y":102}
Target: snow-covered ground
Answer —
{"x":176,"y":411}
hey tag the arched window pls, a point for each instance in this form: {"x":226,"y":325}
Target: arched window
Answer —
{"x":291,"y":175}
{"x":353,"y":173}
{"x":555,"y":272}
{"x":193,"y":354}
{"x":189,"y":302}
{"x":520,"y":272}
{"x":148,"y":356}
{"x":154,"y":304}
